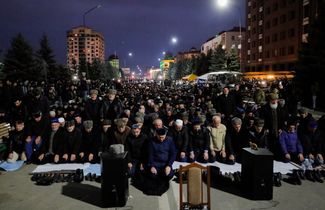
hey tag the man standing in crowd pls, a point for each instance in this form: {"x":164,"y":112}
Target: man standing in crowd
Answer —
{"x":274,"y":123}
{"x":226,"y":104}
{"x":111,"y":107}
{"x":18,"y":110}
{"x":39,"y":102}
{"x":92,"y":108}
{"x":304,"y":119}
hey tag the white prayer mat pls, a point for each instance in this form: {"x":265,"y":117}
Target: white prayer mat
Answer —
{"x":59,"y":167}
{"x":281,"y":167}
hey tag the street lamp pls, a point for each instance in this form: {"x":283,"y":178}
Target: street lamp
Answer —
{"x":130,"y":54}
{"x":88,"y":11}
{"x":224,"y":4}
{"x":174,"y":40}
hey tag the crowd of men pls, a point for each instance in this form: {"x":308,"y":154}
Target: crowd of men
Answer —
{"x":66,"y":122}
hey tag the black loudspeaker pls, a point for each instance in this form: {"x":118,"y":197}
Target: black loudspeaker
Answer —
{"x":257,"y":173}
{"x":115,"y":184}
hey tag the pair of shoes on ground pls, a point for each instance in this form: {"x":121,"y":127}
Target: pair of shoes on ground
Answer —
{"x":237,"y":177}
{"x":277,"y":177}
{"x":294,"y":178}
{"x":50,"y":178}
{"x":229,"y":176}
{"x":314,"y":176}
{"x":92,"y":177}
{"x":298,"y":175}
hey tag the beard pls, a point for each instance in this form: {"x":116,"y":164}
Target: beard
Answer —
{"x":274,"y":106}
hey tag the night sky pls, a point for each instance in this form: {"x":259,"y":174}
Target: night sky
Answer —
{"x":143,"y":27}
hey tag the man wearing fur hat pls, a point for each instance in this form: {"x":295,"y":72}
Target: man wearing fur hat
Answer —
{"x":92,"y":108}
{"x":111,"y":107}
{"x":121,"y":131}
{"x":274,"y":123}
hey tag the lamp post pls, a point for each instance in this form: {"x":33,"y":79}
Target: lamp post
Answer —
{"x":130,"y":54}
{"x":88,"y":11}
{"x":223,"y":4}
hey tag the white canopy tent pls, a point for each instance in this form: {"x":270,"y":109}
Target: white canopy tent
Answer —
{"x":216,"y":73}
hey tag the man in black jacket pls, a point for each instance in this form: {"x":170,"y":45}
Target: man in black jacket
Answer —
{"x":274,"y":122}
{"x":90,"y":143}
{"x":38,"y":101}
{"x":16,"y":146}
{"x":53,"y":146}
{"x":112,"y":107}
{"x":226,"y":104}
{"x":199,"y":142}
{"x":92,"y":108}
{"x":179,"y":134}
{"x":18,"y":110}
{"x":72,"y":142}
{"x":236,"y":139}
{"x":258,"y":135}
{"x":311,"y":143}
{"x":35,"y":134}
{"x":136,"y":144}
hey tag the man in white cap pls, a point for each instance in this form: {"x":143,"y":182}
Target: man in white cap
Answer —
{"x":179,"y":134}
{"x":52,"y":147}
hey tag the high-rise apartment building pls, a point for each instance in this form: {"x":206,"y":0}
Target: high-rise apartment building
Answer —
{"x":191,"y":54}
{"x":275,"y":31}
{"x":84,"y":44}
{"x":228,"y":40}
